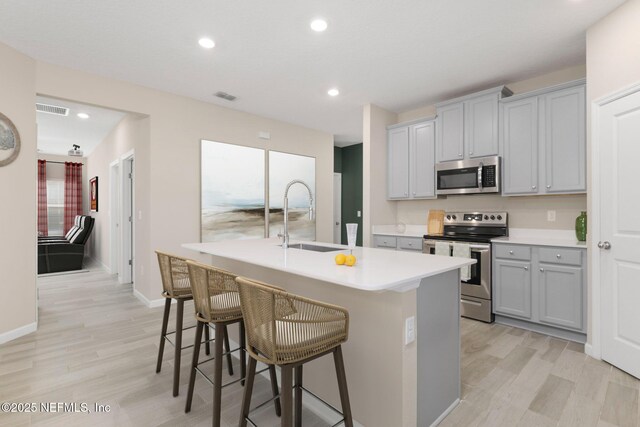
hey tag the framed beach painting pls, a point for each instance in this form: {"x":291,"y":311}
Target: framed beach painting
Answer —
{"x":283,"y":168}
{"x":232,"y":192}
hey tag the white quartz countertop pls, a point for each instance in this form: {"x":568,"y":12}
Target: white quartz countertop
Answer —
{"x":537,"y":237}
{"x":400,"y":230}
{"x":376,"y":270}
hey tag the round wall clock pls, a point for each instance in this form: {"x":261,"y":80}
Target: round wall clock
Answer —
{"x":9,"y":141}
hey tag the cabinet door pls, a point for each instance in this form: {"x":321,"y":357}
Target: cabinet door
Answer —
{"x":512,"y":288}
{"x":565,"y":141}
{"x":398,"y":166}
{"x":481,"y":126}
{"x":561,"y":296}
{"x":519,"y":138}
{"x":450,"y":132}
{"x":422,"y":182}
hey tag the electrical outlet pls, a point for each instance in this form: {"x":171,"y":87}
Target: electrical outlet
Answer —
{"x":551,"y":216}
{"x":139,"y":215}
{"x":409,"y":330}
{"x":359,"y":214}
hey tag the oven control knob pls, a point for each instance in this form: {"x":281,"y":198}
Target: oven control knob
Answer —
{"x":448,"y":216}
{"x":454,"y":217}
{"x":486,"y":217}
{"x":499,"y":217}
{"x":493,"y":217}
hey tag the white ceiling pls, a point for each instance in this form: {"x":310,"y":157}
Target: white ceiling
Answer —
{"x":57,"y":134}
{"x":396,"y":54}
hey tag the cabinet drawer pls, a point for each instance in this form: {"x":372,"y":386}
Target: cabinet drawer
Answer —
{"x":561,"y":256}
{"x":410,"y":243}
{"x":513,"y":252}
{"x":385,"y":241}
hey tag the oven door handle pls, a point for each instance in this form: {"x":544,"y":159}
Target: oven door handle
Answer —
{"x":480,"y":176}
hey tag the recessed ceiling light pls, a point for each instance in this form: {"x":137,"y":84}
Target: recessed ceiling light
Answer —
{"x":83,"y":115}
{"x":319,"y":25}
{"x":333,"y":92}
{"x":206,"y":43}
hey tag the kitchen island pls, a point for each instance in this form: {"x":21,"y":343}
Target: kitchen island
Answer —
{"x":393,"y":380}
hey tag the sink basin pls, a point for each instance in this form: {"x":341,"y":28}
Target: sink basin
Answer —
{"x":314,"y":248}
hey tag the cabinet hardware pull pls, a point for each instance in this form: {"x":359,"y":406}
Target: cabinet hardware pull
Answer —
{"x":533,"y":187}
{"x":558,"y":256}
{"x":542,"y":269}
{"x":511,"y":252}
{"x":548,"y":186}
{"x":526,"y":269}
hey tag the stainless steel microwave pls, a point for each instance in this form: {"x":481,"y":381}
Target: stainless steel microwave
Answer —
{"x":473,"y":176}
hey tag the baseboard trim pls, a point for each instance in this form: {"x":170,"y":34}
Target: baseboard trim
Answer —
{"x":588,"y":350}
{"x":146,"y":301}
{"x":18,"y":332}
{"x":445,"y":413}
{"x":542,"y":329}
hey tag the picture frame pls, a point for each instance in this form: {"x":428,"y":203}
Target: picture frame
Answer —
{"x":9,"y":141}
{"x":93,"y":194}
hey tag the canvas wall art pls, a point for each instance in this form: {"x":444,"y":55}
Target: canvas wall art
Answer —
{"x":232,"y":192}
{"x":283,"y":168}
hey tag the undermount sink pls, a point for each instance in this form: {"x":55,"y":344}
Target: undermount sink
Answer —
{"x":315,"y":248}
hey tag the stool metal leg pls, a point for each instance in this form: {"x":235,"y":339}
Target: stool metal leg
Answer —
{"x":298,"y":397}
{"x":243,"y":353}
{"x":274,"y":388}
{"x":342,"y":385}
{"x":227,"y":349}
{"x":248,"y":390}
{"x":163,"y":334}
{"x":194,"y":362}
{"x":178,"y":349}
{"x":286,"y":395}
{"x":217,"y":375}
{"x":207,"y":347}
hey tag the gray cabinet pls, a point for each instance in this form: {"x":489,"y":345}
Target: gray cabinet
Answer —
{"x":512,"y":288}
{"x":561,"y":295}
{"x":468,"y":126}
{"x":543,"y":141}
{"x":543,"y":287}
{"x":400,"y":243}
{"x":398,"y":163}
{"x":411,"y":161}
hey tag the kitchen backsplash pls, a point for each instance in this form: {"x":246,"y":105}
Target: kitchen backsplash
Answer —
{"x":524,"y":212}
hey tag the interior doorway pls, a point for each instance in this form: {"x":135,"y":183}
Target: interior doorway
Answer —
{"x":114,"y":217}
{"x":127,"y":218}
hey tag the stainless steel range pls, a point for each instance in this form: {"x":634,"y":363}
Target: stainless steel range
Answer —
{"x":475,"y":229}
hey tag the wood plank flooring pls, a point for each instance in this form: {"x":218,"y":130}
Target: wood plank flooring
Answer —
{"x":97,"y":343}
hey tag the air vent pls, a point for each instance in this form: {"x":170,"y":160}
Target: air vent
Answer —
{"x":225,"y":95}
{"x":52,"y":109}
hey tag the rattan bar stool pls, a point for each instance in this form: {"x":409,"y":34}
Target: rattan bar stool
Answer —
{"x":217,"y":303}
{"x":176,"y":286}
{"x":287,"y":330}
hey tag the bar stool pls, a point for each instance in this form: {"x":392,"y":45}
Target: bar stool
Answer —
{"x":287,"y":330}
{"x":176,"y":286}
{"x":216,"y":300}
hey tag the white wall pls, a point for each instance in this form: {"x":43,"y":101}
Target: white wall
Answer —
{"x":122,"y":139}
{"x":167,"y":158}
{"x":18,"y":195}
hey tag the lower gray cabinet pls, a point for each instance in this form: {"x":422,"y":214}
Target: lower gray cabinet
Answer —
{"x":512,"y":288}
{"x":543,"y":285}
{"x":561,"y":295}
{"x":400,"y":243}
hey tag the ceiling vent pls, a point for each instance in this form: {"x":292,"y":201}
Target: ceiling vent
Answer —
{"x":52,"y":109}
{"x":225,"y":95}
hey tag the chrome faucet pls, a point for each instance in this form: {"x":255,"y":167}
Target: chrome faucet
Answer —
{"x":285,"y":234}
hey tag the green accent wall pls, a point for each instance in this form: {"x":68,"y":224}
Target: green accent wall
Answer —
{"x":337,"y":159}
{"x":351,"y":168}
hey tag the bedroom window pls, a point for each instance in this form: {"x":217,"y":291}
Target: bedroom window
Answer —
{"x":55,"y":206}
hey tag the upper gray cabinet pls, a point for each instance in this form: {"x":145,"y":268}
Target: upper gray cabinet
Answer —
{"x":467,"y":127}
{"x":543,"y":141}
{"x":411,"y":161}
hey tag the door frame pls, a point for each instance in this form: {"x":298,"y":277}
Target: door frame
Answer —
{"x":337,"y":199}
{"x":127,"y":240}
{"x":114,"y":217}
{"x":594,"y":348}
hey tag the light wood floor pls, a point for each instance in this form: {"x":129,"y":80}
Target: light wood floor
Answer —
{"x":97,"y":343}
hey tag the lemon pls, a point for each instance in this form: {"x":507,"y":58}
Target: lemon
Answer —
{"x":350,"y":260}
{"x":340,"y":259}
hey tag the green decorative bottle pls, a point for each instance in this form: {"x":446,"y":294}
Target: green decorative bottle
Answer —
{"x":581,"y":227}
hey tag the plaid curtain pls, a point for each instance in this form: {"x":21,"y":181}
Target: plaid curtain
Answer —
{"x":43,"y":225}
{"x":72,"y":193}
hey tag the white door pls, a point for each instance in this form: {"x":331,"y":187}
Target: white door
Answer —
{"x":619,"y":235}
{"x":337,"y":207}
